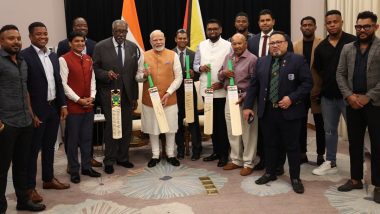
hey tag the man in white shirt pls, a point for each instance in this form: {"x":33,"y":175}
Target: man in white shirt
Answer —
{"x":209,"y":58}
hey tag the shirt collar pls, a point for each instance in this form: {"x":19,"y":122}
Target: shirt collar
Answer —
{"x":115,"y":44}
{"x":38,"y":50}
{"x":179,"y":51}
{"x":268,"y":34}
{"x":6,"y":54}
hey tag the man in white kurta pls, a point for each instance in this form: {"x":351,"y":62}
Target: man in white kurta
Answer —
{"x":165,"y":69}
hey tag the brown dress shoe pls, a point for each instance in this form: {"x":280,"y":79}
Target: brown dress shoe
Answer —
{"x":246,"y":171}
{"x":34,"y":196}
{"x":231,"y":166}
{"x":95,"y":163}
{"x":55,"y":184}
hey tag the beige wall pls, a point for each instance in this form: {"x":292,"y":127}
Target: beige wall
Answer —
{"x":23,"y":12}
{"x":302,"y":8}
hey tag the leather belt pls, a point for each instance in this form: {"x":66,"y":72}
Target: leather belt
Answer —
{"x":51,"y":102}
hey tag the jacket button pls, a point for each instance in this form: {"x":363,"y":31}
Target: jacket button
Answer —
{"x":264,"y":99}
{"x":265,"y":89}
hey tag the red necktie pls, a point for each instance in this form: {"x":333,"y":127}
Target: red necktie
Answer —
{"x":264,"y":48}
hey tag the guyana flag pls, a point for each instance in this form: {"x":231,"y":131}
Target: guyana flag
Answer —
{"x":129,"y":14}
{"x":193,"y":23}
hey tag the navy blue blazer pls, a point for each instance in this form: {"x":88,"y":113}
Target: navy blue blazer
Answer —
{"x":295,"y":81}
{"x":37,"y":82}
{"x":64,"y":47}
{"x":254,"y":42}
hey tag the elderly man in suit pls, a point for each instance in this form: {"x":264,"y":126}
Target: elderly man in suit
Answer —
{"x":306,"y":47}
{"x":358,"y":78}
{"x":79,"y":25}
{"x":196,"y":141}
{"x":281,"y":83}
{"x":49,"y":106}
{"x":116,"y":61}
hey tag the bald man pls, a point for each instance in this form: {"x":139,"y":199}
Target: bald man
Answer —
{"x":243,"y":148}
{"x":165,"y":69}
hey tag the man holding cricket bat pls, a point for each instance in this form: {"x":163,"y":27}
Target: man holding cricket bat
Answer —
{"x":281,"y":82}
{"x":159,"y":110}
{"x":243,"y":147}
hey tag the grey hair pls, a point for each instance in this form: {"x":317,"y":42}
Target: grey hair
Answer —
{"x":154,"y":32}
{"x":119,"y":21}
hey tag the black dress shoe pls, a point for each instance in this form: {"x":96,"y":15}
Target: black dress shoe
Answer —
{"x":30,"y":206}
{"x":108,"y":169}
{"x":349,"y":185}
{"x":298,"y":186}
{"x":259,"y":166}
{"x":195,"y":157}
{"x":280,"y":170}
{"x":181,"y":155}
{"x":212,"y":157}
{"x":222,"y":162}
{"x":265,"y":179}
{"x":92,"y":173}
{"x":75,"y":178}
{"x":153,"y":162}
{"x":173,"y":161}
{"x":376,"y":195}
{"x":126,"y":164}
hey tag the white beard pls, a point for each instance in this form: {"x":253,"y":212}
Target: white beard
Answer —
{"x":159,"y":48}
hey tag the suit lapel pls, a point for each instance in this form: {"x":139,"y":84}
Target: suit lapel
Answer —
{"x":372,"y":51}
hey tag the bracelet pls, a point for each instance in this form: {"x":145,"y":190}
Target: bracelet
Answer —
{"x":2,"y":127}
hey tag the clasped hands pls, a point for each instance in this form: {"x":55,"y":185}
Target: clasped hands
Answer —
{"x":358,"y":101}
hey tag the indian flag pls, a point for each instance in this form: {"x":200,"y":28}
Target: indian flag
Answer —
{"x":129,"y":14}
{"x":193,"y":23}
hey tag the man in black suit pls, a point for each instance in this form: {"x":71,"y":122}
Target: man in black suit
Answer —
{"x":48,"y":104}
{"x":196,"y":141}
{"x":281,"y":83}
{"x":79,"y":25}
{"x":116,"y":61}
{"x":259,"y":46}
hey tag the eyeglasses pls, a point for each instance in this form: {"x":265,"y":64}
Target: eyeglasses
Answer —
{"x":276,"y":43}
{"x":364,"y":27}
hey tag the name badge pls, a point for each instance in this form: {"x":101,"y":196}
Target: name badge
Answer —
{"x":290,"y":76}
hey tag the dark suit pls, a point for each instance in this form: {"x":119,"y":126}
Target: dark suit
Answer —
{"x":45,"y":135}
{"x":105,"y":59}
{"x":254,"y":43}
{"x":64,"y":47}
{"x":196,"y":141}
{"x":281,"y":127}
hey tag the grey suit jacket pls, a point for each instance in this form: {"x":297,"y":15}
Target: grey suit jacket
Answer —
{"x":346,"y":67}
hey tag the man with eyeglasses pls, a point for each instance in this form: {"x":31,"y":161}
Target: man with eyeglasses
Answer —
{"x":326,"y":59}
{"x":181,"y":40}
{"x":116,"y":61}
{"x":212,"y":52}
{"x":281,"y":83}
{"x":358,"y":78}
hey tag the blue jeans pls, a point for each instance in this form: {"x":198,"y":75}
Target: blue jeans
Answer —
{"x":331,"y":111}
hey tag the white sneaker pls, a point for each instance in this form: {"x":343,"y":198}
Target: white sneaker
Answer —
{"x":325,"y":169}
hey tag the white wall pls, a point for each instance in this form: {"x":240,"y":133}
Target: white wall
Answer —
{"x":23,"y":12}
{"x":302,"y":8}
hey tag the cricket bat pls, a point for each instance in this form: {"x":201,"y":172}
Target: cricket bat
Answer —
{"x":189,"y":98}
{"x":157,"y":105}
{"x":208,"y":106}
{"x":233,"y":97}
{"x":116,"y":114}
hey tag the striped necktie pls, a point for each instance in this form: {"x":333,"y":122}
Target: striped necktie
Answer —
{"x":274,"y":79}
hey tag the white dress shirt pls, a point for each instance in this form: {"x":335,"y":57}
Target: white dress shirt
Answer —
{"x":262,"y":41}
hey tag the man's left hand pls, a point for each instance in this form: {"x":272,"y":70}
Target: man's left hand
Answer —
{"x":134,"y":104}
{"x":285,"y":102}
{"x":217,"y":86}
{"x":363,"y":99}
{"x":164,"y":99}
{"x":64,"y":113}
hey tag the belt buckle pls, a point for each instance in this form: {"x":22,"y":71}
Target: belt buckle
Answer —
{"x":50,"y":102}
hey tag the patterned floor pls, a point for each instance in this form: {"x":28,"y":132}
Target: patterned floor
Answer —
{"x":167,"y":189}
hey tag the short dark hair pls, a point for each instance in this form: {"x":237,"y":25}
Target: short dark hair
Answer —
{"x":74,"y":34}
{"x":367,"y":15}
{"x":182,"y":30}
{"x":8,"y":27}
{"x":266,"y":12}
{"x":308,"y":18}
{"x":242,"y":14}
{"x":79,"y":17}
{"x":34,"y":25}
{"x":279,"y":32}
{"x":333,"y":12}
{"x":214,"y":21}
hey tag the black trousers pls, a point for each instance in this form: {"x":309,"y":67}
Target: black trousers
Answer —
{"x":219,"y":137}
{"x":15,"y":149}
{"x":357,"y":122}
{"x":320,"y":133}
{"x":195,"y":132}
{"x":281,"y":135}
{"x":44,"y":138}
